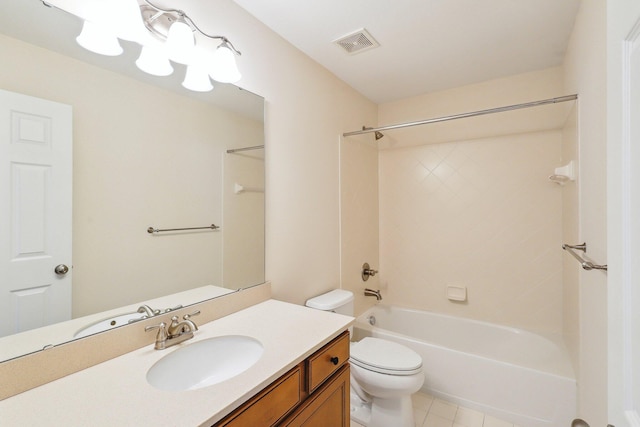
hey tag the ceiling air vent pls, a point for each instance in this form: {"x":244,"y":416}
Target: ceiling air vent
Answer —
{"x":357,"y":42}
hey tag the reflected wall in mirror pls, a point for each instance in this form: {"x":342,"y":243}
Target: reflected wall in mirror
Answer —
{"x":144,"y":156}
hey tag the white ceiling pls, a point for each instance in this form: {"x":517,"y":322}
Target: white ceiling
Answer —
{"x":425,"y":45}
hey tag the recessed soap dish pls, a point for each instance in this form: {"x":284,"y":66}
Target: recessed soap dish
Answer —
{"x":457,"y":293}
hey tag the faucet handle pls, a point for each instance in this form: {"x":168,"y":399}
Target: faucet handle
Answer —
{"x":160,"y":326}
{"x":367,"y":271}
{"x":161,"y":337}
{"x":167,"y":310}
{"x":189,"y":316}
{"x":174,"y":321}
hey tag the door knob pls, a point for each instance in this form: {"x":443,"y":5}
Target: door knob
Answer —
{"x":61,"y":269}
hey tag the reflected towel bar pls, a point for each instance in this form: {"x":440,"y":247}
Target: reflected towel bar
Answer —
{"x":152,"y":230}
{"x":587,"y":265}
{"x":237,"y":150}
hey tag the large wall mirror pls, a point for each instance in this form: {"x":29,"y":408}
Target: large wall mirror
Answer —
{"x":147,"y":153}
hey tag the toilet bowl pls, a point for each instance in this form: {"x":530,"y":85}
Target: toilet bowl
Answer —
{"x":384,"y":374}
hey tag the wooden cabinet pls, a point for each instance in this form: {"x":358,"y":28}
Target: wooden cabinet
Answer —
{"x":329,"y":406}
{"x":270,"y":406}
{"x":314,"y":393}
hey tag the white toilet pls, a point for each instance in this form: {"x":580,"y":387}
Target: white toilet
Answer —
{"x":384,"y":374}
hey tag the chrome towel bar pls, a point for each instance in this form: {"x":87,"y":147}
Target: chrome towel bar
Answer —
{"x":152,"y":230}
{"x":237,"y":150}
{"x":587,"y":265}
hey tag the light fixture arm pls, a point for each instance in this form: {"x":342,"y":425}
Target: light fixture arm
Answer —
{"x":186,"y":17}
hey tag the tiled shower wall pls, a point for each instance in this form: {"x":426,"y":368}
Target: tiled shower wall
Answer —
{"x":478,"y":214}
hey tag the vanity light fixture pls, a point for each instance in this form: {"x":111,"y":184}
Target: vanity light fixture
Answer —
{"x":97,"y":39}
{"x":166,"y":35}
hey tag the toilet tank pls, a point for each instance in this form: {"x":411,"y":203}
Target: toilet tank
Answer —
{"x":338,"y":301}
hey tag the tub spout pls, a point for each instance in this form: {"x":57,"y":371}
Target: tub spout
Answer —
{"x":371,"y":293}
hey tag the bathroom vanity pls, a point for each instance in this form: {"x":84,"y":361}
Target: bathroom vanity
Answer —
{"x":315,"y":391}
{"x":302,"y":378}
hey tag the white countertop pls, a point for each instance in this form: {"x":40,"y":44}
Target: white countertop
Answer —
{"x":116,"y":393}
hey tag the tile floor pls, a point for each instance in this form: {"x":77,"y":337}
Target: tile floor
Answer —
{"x":433,"y":412}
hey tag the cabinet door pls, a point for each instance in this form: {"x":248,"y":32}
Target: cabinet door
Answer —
{"x":271,"y":404}
{"x":329,"y":406}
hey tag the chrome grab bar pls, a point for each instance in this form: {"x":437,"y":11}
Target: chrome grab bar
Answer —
{"x":587,"y":265}
{"x":152,"y":230}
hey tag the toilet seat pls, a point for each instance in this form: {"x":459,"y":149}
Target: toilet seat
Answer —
{"x":385,"y":357}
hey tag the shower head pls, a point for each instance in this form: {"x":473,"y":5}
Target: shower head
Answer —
{"x":378,"y":134}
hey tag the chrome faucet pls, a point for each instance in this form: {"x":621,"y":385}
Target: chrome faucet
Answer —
{"x":371,"y":293}
{"x":185,"y":326}
{"x":176,"y":332}
{"x":148,"y":311}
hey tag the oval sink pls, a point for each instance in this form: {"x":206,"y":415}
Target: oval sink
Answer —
{"x":205,"y":363}
{"x":108,"y":323}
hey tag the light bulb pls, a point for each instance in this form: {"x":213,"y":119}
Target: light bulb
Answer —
{"x":125,"y":20}
{"x":180,"y":42}
{"x":97,"y":39}
{"x":223,"y":66}
{"x":153,"y":61}
{"x":197,"y":79}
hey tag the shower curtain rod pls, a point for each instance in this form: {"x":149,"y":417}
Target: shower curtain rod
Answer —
{"x":465,"y":115}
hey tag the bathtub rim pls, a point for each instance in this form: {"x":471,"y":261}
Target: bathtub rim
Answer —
{"x":566,"y":371}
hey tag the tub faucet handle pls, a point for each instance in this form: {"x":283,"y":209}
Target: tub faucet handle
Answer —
{"x":367,"y":271}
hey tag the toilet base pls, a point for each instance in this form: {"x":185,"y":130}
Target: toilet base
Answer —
{"x":360,"y":411}
{"x":382,"y":412}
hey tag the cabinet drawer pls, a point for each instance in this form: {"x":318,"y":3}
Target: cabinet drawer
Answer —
{"x":270,"y":405}
{"x":327,"y":360}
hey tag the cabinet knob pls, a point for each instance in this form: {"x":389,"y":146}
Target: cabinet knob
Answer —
{"x":335,"y":360}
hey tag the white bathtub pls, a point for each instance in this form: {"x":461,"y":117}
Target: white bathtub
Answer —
{"x":508,"y":373}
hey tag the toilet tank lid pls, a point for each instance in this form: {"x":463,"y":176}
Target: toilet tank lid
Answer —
{"x":330,"y":300}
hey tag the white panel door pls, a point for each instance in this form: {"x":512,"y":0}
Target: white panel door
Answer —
{"x":35,"y":212}
{"x":624,"y":213}
{"x":631,"y":264}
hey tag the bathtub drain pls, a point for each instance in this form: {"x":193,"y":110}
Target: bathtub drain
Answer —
{"x":372,"y":320}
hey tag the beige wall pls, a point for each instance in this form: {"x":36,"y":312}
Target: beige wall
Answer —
{"x":570,"y":235}
{"x":243,"y":238}
{"x":469,"y":204}
{"x":479,"y":214}
{"x":585,"y":73}
{"x":142,"y":157}
{"x":501,"y":92}
{"x":307,"y":109}
{"x":359,"y":216}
